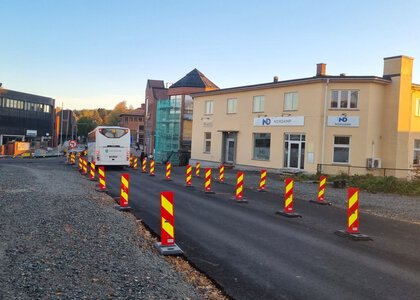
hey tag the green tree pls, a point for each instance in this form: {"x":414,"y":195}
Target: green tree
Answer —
{"x":113,"y":117}
{"x":85,"y":125}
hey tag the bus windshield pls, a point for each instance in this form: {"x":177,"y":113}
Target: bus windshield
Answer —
{"x":113,"y":133}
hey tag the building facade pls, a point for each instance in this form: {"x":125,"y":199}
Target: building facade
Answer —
{"x":134,"y":120}
{"x":323,"y":123}
{"x":25,"y":117}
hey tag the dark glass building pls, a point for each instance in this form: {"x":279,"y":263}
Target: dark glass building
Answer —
{"x":25,"y":117}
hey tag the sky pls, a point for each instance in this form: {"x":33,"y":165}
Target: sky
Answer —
{"x":96,"y":53}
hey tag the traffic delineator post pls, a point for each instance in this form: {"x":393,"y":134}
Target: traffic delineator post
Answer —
{"x":188,"y":176}
{"x":144,"y":165}
{"x":168,"y":171}
{"x":124,"y":193}
{"x":321,"y":192}
{"x":239,"y":188}
{"x":152,"y":168}
{"x":197,"y":169}
{"x":263,"y":178}
{"x":102,"y":179}
{"x":80,"y":164}
{"x":135,"y":163}
{"x":352,"y":231}
{"x":207,"y":181}
{"x":131,"y":162}
{"x":85,"y":167}
{"x":92,"y":171}
{"x":288,"y":210}
{"x":72,"y":159}
{"x":167,"y":245}
{"x":221,"y":174}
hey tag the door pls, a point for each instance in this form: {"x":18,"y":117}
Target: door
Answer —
{"x":230,"y":150}
{"x":294,"y":155}
{"x":294,"y":151}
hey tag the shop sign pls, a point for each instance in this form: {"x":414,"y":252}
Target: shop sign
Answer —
{"x":279,"y":121}
{"x":343,"y":121}
{"x":31,"y":132}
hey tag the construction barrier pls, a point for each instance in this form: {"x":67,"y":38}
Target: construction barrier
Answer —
{"x":321,"y":192}
{"x":102,"y":179}
{"x":124,"y":193}
{"x":263,"y":178}
{"x":353,"y":217}
{"x":207,"y":181}
{"x":80,"y":164}
{"x":92,"y":171}
{"x":221,"y":174}
{"x":239,"y":190}
{"x":197,"y":169}
{"x":135,"y":163}
{"x":144,"y":165}
{"x":288,"y":210}
{"x":168,"y":171}
{"x":131,"y":162}
{"x":72,"y":159}
{"x":188,"y":176}
{"x":152,"y":168}
{"x":85,"y":166}
{"x":167,"y":244}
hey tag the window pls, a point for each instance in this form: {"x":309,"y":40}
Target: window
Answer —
{"x":341,"y":149}
{"x":416,"y":158}
{"x":258,"y":104}
{"x":418,"y":107}
{"x":208,"y":108}
{"x":290,"y":101}
{"x":344,"y":99}
{"x":262,"y":146}
{"x":207,"y":142}
{"x":231,"y":106}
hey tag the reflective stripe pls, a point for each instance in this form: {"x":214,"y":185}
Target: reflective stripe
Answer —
{"x":289,"y":200}
{"x":353,"y":217}
{"x":124,"y":181}
{"x":167,"y":227}
{"x":289,"y":187}
{"x":353,"y":199}
{"x":167,"y":206}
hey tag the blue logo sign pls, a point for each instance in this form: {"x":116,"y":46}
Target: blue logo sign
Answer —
{"x":266,"y":121}
{"x":342,"y":119}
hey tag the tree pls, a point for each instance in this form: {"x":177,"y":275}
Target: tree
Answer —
{"x":113,"y":117}
{"x":85,"y":125}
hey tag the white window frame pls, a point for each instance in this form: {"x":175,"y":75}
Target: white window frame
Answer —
{"x":208,"y":107}
{"x":348,"y":146}
{"x":258,"y":104}
{"x":290,"y":99}
{"x":232,"y":109}
{"x":340,"y":96}
{"x":207,"y":140}
{"x":417,"y":112}
{"x":416,"y":150}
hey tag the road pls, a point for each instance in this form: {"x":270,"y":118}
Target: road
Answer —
{"x":253,"y":253}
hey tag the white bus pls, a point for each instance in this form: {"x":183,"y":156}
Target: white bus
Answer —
{"x":109,"y":146}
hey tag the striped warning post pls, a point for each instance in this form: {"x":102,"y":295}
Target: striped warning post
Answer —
{"x":263,"y":177}
{"x":168,"y":171}
{"x":167,"y":244}
{"x":321,"y":192}
{"x":92,"y":171}
{"x":239,"y":188}
{"x":353,"y":217}
{"x":135,"y":163}
{"x":85,"y":166}
{"x":221,"y":174}
{"x":144,"y":165}
{"x":207,"y":181}
{"x":197,"y":169}
{"x":102,"y":179}
{"x":188,"y":176}
{"x":288,"y":210}
{"x":152,"y":168}
{"x":131,"y":162}
{"x":80,"y":164}
{"x":72,"y":159}
{"x":124,"y":193}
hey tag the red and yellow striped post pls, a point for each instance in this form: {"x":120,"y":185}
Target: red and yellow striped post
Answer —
{"x":144,"y":165}
{"x":85,"y":166}
{"x":263,"y":178}
{"x":167,"y":244}
{"x":288,"y":210}
{"x":131,"y":161}
{"x":321,"y":191}
{"x":188,"y":176}
{"x":207,"y":181}
{"x":239,"y":190}
{"x":72,"y":159}
{"x":92,"y":171}
{"x":197,"y":169}
{"x":102,"y":179}
{"x":135,"y":163}
{"x":168,"y":171}
{"x":352,"y":230}
{"x":80,"y":164}
{"x":152,"y":168}
{"x":124,"y":192}
{"x":221,"y":174}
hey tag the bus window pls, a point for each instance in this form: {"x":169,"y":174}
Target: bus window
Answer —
{"x":113,"y":133}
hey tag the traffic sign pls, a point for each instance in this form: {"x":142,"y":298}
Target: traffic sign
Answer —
{"x":72,"y":144}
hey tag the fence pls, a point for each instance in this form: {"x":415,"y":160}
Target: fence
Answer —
{"x":349,"y":170}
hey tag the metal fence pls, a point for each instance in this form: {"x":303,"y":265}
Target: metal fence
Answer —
{"x":358,"y":170}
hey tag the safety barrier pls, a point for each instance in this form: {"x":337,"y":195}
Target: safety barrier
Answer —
{"x":197,"y":169}
{"x":168,"y":171}
{"x":124,"y":193}
{"x":144,"y":165}
{"x":221,"y":174}
{"x":85,"y":166}
{"x":207,"y":181}
{"x":321,"y":192}
{"x":188,"y":176}
{"x":288,"y":210}
{"x":102,"y":179}
{"x":239,"y":188}
{"x":135,"y":163}
{"x":92,"y":171}
{"x":263,"y":177}
{"x":152,"y":168}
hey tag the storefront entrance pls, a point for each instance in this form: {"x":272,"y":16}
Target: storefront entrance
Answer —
{"x":294,"y":151}
{"x":229,"y":147}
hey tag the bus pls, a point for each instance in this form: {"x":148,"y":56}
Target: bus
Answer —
{"x":109,"y":146}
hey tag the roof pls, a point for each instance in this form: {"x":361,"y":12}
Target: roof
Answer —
{"x":194,"y":79}
{"x":26,"y":97}
{"x":307,"y":80}
{"x":155,"y":83}
{"x":135,"y":112}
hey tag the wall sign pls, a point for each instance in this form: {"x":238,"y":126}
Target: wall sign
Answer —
{"x":31,"y":132}
{"x":279,"y":121}
{"x":343,"y":121}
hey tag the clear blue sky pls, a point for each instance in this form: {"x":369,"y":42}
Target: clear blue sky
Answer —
{"x":90,"y":54}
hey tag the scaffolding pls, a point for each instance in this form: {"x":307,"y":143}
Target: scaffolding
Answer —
{"x":168,"y":123}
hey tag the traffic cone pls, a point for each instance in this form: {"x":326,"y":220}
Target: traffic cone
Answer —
{"x":321,"y":192}
{"x":288,"y":201}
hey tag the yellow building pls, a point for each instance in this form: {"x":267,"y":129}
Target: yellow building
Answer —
{"x":351,"y":124}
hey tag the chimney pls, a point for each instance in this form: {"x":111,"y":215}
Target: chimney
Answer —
{"x":321,"y":69}
{"x":276,"y":79}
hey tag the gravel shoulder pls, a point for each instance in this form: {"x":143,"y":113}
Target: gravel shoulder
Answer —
{"x":62,"y":240}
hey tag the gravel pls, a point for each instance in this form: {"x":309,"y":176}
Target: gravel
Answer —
{"x":62,"y":240}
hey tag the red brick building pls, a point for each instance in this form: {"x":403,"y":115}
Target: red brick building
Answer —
{"x":135,"y":120}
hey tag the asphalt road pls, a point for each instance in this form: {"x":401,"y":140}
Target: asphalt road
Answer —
{"x":254,"y":253}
